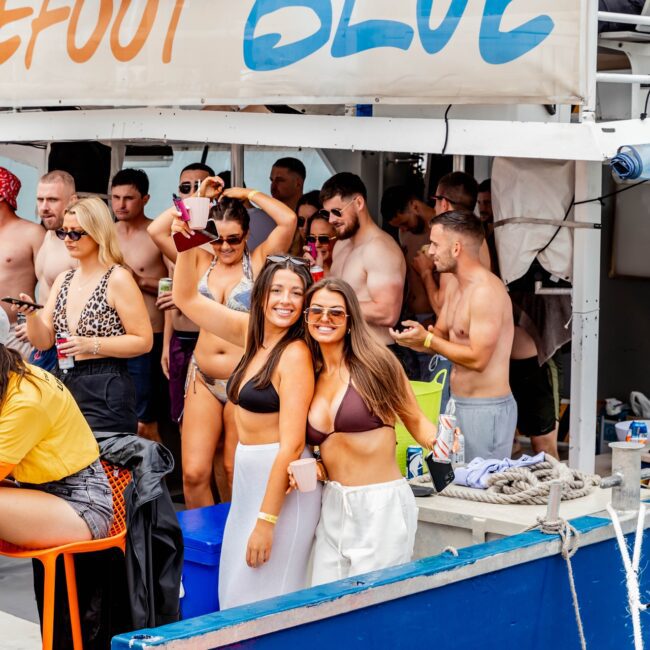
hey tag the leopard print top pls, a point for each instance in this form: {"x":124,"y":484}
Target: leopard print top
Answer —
{"x":97,"y":318}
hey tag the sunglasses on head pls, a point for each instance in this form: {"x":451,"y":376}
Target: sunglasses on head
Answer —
{"x":73,"y":235}
{"x":321,"y":239}
{"x":279,"y":259}
{"x":337,"y":212}
{"x":231,"y":240}
{"x":315,"y":314}
{"x":187,"y":187}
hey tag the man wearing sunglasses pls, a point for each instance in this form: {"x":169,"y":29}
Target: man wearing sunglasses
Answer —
{"x":55,"y":191}
{"x":129,"y":196}
{"x":20,"y":241}
{"x":364,"y":255}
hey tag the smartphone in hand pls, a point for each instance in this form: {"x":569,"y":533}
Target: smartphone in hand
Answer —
{"x":21,"y":303}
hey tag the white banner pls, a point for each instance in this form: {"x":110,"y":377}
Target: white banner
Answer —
{"x":240,"y":52}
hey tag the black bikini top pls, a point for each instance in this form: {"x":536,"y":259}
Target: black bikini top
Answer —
{"x":258,"y":400}
{"x":353,"y":416}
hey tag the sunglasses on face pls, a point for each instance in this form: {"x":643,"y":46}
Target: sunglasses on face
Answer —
{"x":231,"y":240}
{"x":337,"y":212}
{"x":321,"y":239}
{"x":278,"y":259}
{"x":336,"y":315}
{"x":188,"y":187}
{"x":73,"y":235}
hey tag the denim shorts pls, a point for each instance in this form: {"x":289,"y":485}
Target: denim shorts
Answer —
{"x":88,"y":492}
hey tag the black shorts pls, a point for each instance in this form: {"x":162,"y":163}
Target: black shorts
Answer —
{"x":536,"y":390}
{"x":147,"y":375}
{"x":104,"y":392}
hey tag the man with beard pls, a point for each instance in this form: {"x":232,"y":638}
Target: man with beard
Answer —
{"x":55,"y":192}
{"x":475,"y":331}
{"x":364,"y":255}
{"x":20,"y":241}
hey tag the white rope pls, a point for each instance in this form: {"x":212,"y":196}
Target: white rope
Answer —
{"x":631,"y":570}
{"x":529,"y":485}
{"x":570,"y":538}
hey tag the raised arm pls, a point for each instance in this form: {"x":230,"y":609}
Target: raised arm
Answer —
{"x":385,"y":272}
{"x":160,"y":232}
{"x":280,"y":238}
{"x":209,"y":315}
{"x":296,"y":389}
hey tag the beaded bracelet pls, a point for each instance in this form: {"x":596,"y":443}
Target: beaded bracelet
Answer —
{"x":96,"y":345}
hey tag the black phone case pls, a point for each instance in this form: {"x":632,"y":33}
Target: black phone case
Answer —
{"x":441,"y":471}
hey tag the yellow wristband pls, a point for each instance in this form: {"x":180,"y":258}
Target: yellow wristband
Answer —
{"x":251,"y":194}
{"x":264,"y":516}
{"x":427,"y":340}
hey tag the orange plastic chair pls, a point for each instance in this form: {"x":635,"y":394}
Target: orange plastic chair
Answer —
{"x":118,"y":478}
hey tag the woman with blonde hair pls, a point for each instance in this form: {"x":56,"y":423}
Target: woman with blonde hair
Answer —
{"x":97,"y":315}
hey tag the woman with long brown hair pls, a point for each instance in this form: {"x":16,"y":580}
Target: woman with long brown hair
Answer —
{"x":224,"y":276}
{"x":268,"y":535}
{"x":368,"y":517}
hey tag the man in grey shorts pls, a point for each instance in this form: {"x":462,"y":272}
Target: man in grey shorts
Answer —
{"x":475,"y":331}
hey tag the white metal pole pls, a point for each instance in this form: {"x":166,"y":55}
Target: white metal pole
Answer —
{"x":584,"y":346}
{"x":237,"y":164}
{"x":458,"y":163}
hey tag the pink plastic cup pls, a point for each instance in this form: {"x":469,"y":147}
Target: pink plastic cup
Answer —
{"x":199,"y":208}
{"x":304,"y":471}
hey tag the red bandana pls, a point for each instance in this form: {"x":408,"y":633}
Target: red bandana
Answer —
{"x":9,"y":187}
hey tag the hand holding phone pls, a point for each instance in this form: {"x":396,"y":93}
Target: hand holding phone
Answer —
{"x":19,"y":302}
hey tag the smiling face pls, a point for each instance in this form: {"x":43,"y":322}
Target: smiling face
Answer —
{"x":85,"y":246}
{"x":345,"y":219}
{"x":228,"y":252}
{"x":327,"y":319}
{"x":285,"y":300}
{"x":443,"y":248}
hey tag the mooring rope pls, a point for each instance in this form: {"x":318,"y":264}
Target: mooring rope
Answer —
{"x":527,"y":485}
{"x":570,"y":539}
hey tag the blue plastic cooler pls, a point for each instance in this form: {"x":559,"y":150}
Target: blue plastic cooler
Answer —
{"x":202,"y":536}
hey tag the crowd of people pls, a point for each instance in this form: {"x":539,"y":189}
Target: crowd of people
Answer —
{"x":258,"y":364}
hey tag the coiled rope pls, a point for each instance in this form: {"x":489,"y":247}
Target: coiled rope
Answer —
{"x":528,"y":485}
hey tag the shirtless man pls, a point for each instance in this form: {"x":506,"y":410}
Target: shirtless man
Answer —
{"x":364,"y":255}
{"x":20,"y":241}
{"x":475,"y":331}
{"x":287,"y":182}
{"x":55,"y":192}
{"x":180,"y":332}
{"x":129,"y":196}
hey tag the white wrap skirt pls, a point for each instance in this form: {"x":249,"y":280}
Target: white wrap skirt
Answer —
{"x":293,"y":535}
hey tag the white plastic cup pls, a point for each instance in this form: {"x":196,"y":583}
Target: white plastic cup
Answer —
{"x":304,"y":471}
{"x":199,"y":208}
